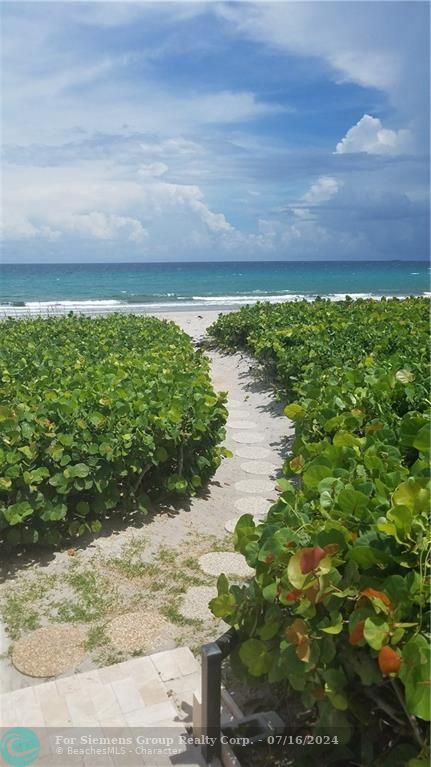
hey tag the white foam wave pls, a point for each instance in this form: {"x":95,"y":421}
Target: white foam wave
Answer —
{"x":67,"y":304}
{"x":108,"y":306}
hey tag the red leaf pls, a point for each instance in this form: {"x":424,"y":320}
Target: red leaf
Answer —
{"x":357,"y":634}
{"x":374,"y":594}
{"x":389,"y":661}
{"x":292,"y":596}
{"x":310,"y":558}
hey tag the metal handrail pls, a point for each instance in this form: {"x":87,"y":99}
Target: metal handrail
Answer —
{"x":212,"y":655}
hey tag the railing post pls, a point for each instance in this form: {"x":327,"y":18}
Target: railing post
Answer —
{"x":211,"y":700}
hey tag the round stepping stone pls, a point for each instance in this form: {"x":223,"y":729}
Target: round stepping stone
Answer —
{"x":139,"y":632}
{"x":248,"y":438}
{"x":241,"y":424}
{"x":195,"y":602}
{"x":49,"y":651}
{"x":255,"y":486}
{"x":252,"y":505}
{"x":228,"y":562}
{"x":255,"y":452}
{"x":259,"y":467}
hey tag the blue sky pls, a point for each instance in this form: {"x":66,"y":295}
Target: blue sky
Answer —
{"x":194,"y":131}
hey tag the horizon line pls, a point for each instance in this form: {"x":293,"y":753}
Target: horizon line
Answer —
{"x":254,"y":261}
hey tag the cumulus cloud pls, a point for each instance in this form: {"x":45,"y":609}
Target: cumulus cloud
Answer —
{"x":369,"y":136}
{"x":102,"y":226}
{"x":89,"y":201}
{"x":322,"y":190}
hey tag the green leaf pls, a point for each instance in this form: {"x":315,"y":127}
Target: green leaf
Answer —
{"x":222,"y":585}
{"x":161,"y":455}
{"x":223,"y":605}
{"x":6,"y":413}
{"x":414,"y":493}
{"x":294,"y":411}
{"x":422,"y":439}
{"x":314,"y":474}
{"x":17,"y":512}
{"x":414,"y":674}
{"x":404,"y":376}
{"x":352,"y":501}
{"x":335,"y":627}
{"x":376,"y":632}
{"x":294,"y":572}
{"x":83,"y":508}
{"x":269,"y":629}
{"x":255,"y":656}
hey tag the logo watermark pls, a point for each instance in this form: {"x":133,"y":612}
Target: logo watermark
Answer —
{"x":19,"y":746}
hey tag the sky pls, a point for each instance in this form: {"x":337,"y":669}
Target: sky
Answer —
{"x":214,"y":131}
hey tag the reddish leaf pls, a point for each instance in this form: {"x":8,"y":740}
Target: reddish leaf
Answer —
{"x":310,"y":558}
{"x":374,"y":594}
{"x":357,"y":634}
{"x":293,"y":595}
{"x":389,"y":660}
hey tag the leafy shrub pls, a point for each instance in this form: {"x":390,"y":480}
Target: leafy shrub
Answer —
{"x":338,"y":609}
{"x":95,"y":414}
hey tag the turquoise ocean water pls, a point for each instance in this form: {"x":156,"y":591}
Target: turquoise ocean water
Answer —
{"x":139,"y":287}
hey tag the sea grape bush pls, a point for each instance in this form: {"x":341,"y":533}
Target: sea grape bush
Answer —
{"x":338,"y":610}
{"x":97,"y":413}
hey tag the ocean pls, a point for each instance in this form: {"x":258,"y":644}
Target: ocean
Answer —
{"x":27,"y":289}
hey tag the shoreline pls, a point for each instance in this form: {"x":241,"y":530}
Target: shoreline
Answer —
{"x":97,"y":307}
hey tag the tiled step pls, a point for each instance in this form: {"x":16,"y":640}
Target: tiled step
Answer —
{"x":152,"y":693}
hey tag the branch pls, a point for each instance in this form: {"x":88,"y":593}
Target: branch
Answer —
{"x":140,"y":478}
{"x":412,"y":719}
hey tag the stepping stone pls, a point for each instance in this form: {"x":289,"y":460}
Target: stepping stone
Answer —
{"x":241,"y":425}
{"x":227,"y":562}
{"x":248,"y":438}
{"x":255,"y":452}
{"x":259,"y":467}
{"x":255,"y":486}
{"x":231,"y":523}
{"x":49,"y":651}
{"x":195,"y":602}
{"x":140,"y":632}
{"x":252,"y":505}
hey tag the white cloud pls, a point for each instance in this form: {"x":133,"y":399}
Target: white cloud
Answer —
{"x":338,"y":33}
{"x":322,"y":190}
{"x":369,"y":135}
{"x":91,"y":201}
{"x":119,"y":112}
{"x":102,"y":226}
{"x":173,"y":146}
{"x":153,"y":169}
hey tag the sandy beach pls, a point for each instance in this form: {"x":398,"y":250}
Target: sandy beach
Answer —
{"x":193,"y":323}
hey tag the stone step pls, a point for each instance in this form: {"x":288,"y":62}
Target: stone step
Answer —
{"x":153,"y":693}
